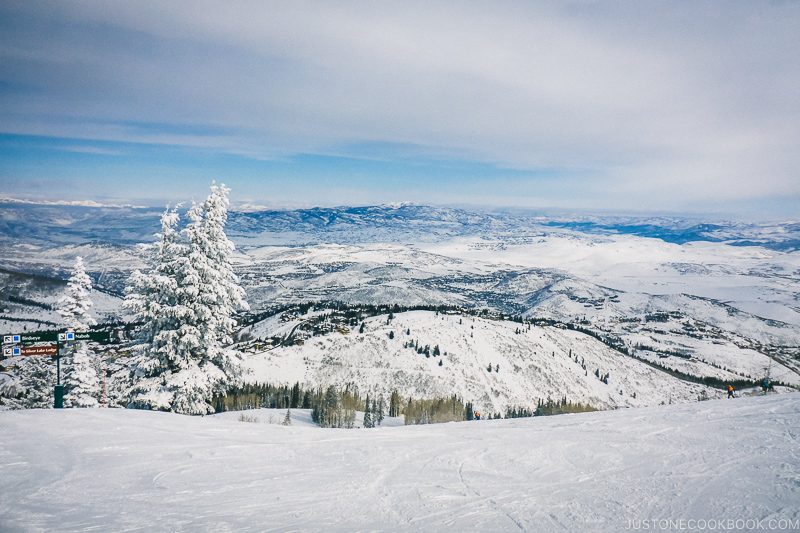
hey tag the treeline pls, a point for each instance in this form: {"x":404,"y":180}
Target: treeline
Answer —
{"x":543,"y":408}
{"x":356,"y":312}
{"x":332,"y":407}
{"x":13,"y":298}
{"x":559,"y":407}
{"x":262,"y":395}
{"x":337,"y":406}
{"x":435,"y":411}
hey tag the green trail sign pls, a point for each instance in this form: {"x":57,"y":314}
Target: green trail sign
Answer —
{"x":96,"y":336}
{"x":30,"y":338}
{"x":65,"y":336}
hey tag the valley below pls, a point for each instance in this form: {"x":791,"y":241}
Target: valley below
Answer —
{"x":555,"y":306}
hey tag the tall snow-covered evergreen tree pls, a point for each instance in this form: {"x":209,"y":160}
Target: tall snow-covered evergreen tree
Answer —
{"x":186,"y":303}
{"x":76,"y":304}
{"x":81,"y":383}
{"x":158,"y":300}
{"x":219,"y":295}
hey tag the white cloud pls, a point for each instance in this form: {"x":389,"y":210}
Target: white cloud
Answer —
{"x":654,"y":102}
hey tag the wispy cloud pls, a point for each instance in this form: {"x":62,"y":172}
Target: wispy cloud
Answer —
{"x":87,"y":149}
{"x":638,"y":104}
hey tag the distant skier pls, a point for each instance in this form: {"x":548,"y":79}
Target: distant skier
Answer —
{"x":477,"y":415}
{"x":766,"y":385}
{"x":731,"y":392}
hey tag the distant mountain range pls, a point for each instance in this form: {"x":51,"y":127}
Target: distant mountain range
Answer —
{"x":52,"y":223}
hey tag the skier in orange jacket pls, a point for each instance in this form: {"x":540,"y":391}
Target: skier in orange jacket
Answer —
{"x":731,"y":391}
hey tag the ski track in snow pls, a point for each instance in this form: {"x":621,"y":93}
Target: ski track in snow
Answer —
{"x":120,"y":470}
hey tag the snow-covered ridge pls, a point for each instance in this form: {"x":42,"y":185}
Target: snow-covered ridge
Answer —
{"x":81,"y":203}
{"x":494,"y":364}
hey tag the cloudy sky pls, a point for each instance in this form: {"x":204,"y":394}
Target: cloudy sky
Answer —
{"x":678,"y":106}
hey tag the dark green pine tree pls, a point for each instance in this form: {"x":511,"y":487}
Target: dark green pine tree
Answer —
{"x":394,"y":404}
{"x":368,"y":414}
{"x":294,"y":403}
{"x":379,"y":409}
{"x":329,"y":409}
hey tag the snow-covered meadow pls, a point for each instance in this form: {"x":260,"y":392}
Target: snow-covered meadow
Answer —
{"x":123,"y":470}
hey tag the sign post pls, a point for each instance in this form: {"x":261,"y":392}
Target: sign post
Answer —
{"x":58,"y":391}
{"x":50,"y":343}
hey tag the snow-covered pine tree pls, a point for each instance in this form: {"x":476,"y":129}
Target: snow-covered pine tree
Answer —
{"x":219,"y":295}
{"x":76,"y":304}
{"x":33,"y":387}
{"x":153,"y":298}
{"x":159,"y":301}
{"x":81,"y":383}
{"x":187,"y":301}
{"x":287,"y":420}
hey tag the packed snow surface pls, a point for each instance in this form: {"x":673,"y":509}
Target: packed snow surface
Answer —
{"x":115,"y":470}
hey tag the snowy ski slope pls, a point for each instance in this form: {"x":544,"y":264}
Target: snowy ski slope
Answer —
{"x":122,"y":470}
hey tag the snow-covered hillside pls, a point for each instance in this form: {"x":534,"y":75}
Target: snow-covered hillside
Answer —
{"x":114,"y":470}
{"x":27,"y":302}
{"x":535,"y":364}
{"x":708,"y":303}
